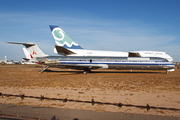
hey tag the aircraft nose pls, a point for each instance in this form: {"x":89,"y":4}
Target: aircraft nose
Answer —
{"x":169,"y":58}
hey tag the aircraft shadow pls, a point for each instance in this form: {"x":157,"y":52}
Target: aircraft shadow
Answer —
{"x":65,"y":71}
{"x":94,"y":72}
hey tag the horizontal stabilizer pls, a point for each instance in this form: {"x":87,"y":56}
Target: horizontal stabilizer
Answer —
{"x":25,"y":44}
{"x":26,"y":59}
{"x":63,"y":51}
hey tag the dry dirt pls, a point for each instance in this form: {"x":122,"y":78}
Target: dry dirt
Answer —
{"x":155,"y":88}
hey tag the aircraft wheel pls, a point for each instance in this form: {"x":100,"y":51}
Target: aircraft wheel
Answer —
{"x":87,"y":71}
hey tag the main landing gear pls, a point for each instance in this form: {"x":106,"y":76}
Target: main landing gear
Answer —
{"x":86,"y":71}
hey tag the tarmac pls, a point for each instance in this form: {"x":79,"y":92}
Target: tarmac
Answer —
{"x":14,"y":112}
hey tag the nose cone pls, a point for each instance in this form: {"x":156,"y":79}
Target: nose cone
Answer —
{"x":172,"y":66}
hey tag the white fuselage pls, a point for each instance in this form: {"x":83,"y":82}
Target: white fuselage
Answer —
{"x":83,"y":52}
{"x":96,"y":62}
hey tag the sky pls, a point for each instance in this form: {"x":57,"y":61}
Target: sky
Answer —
{"x":114,"y":25}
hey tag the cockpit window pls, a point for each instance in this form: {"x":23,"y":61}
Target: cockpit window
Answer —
{"x":165,"y":60}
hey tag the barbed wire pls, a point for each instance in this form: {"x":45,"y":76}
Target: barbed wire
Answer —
{"x":93,"y":102}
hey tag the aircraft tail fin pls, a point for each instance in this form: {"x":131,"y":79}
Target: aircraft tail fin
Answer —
{"x":62,"y":39}
{"x":27,"y":54}
{"x":32,"y":48}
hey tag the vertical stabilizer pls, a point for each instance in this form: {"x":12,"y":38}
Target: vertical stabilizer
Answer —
{"x":62,"y":39}
{"x":32,"y":48}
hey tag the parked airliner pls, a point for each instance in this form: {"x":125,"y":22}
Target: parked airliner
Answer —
{"x":68,"y":47}
{"x":88,"y":63}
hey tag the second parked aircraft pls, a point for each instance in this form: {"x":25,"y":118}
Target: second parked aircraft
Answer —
{"x":68,"y":47}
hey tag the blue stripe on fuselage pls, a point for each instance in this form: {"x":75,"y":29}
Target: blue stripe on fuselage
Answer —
{"x":112,"y":63}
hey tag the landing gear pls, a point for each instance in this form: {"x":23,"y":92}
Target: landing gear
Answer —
{"x":44,"y":69}
{"x":86,"y":71}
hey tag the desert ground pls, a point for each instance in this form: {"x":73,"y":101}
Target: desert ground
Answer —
{"x":136,"y":87}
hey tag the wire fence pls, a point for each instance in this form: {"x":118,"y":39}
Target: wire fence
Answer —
{"x":93,"y":102}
